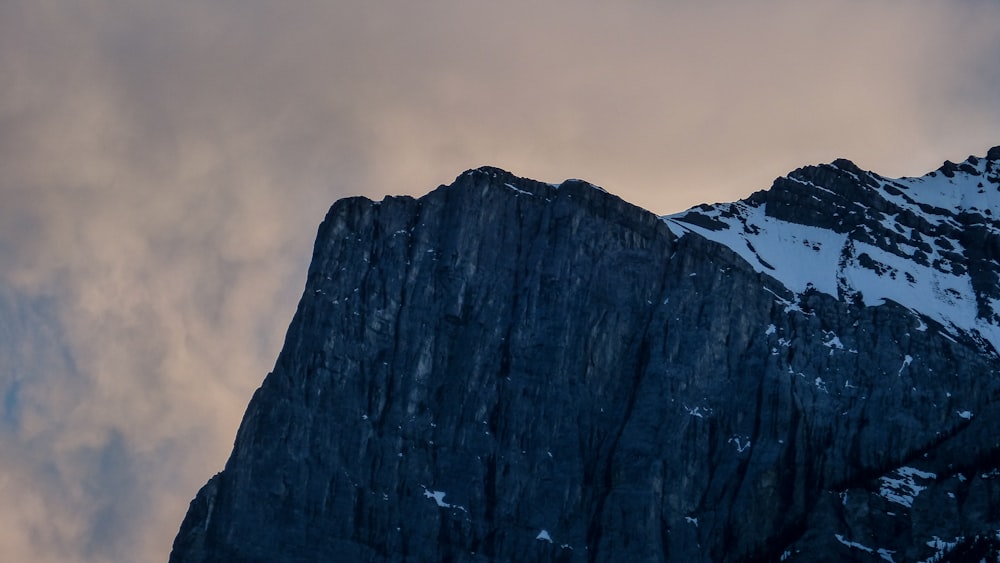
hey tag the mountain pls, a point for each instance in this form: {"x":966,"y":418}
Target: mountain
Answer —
{"x":509,"y":370}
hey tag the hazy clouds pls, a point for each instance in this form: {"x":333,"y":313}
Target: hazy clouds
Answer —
{"x":164,"y":165}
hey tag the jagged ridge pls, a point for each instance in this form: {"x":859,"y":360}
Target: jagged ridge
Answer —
{"x":930,"y":243}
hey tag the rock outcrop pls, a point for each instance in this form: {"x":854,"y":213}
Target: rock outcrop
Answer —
{"x":507,"y":370}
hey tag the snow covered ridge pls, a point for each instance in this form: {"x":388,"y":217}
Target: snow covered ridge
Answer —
{"x":930,"y":243}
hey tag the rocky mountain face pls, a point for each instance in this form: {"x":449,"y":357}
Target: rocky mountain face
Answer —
{"x":507,"y":370}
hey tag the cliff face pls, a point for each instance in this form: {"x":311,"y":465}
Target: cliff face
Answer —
{"x":505,"y":370}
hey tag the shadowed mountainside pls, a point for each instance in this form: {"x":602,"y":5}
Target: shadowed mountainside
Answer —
{"x":507,"y":370}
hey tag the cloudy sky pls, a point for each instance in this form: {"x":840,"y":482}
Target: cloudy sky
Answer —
{"x":164,"y":166}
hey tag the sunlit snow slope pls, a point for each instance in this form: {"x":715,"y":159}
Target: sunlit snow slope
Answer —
{"x":929,"y":243}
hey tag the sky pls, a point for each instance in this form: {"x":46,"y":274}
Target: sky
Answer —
{"x":164,"y":167}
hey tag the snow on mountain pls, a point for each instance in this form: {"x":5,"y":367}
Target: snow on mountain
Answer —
{"x":927,"y":243}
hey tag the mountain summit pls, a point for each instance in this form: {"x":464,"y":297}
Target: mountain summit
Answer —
{"x":509,"y":370}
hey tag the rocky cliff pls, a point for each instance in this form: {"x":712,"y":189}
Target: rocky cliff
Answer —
{"x":507,"y":370}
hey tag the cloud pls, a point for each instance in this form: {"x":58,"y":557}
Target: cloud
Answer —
{"x":165,"y":166}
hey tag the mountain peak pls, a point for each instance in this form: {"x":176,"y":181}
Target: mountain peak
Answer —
{"x":510,"y":370}
{"x":926,"y":243}
{"x":847,"y":165}
{"x":490,"y":171}
{"x":498,"y":177}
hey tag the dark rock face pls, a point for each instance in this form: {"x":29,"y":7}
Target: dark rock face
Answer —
{"x":505,"y":370}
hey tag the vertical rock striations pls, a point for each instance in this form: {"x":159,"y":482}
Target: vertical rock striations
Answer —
{"x":506,"y":370}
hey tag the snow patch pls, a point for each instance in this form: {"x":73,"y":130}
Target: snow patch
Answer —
{"x":519,"y":191}
{"x":820,"y":384}
{"x":853,"y":544}
{"x":438,"y":497}
{"x":886,"y":554}
{"x":742,"y":443}
{"x":833,"y":341}
{"x":883,"y":553}
{"x":797,"y":255}
{"x":699,"y":412}
{"x":907,"y":360}
{"x":903,"y":488}
{"x":941,"y":547}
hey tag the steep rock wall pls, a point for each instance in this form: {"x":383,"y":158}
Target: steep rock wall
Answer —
{"x":505,"y":370}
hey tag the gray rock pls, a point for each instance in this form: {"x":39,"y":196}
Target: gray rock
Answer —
{"x":506,"y":370}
